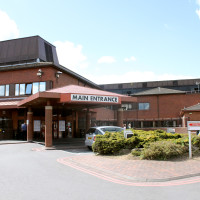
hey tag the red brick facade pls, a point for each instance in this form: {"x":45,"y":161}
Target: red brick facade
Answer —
{"x":30,"y":75}
{"x":163,"y":106}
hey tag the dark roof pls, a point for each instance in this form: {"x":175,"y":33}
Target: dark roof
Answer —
{"x":158,"y":91}
{"x":26,"y":50}
{"x":24,"y":53}
{"x":193,"y":108}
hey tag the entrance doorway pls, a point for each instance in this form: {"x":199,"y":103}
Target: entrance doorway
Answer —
{"x":20,"y":134}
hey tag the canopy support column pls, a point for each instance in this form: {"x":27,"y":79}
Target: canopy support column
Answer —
{"x":29,"y":125}
{"x":120,"y":117}
{"x":88,"y":119}
{"x":48,"y":125}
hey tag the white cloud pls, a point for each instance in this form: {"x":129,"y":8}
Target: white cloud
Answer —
{"x":133,"y":76}
{"x":8,"y":27}
{"x":70,"y":55}
{"x":106,"y":59}
{"x":198,"y":12}
{"x":132,"y":58}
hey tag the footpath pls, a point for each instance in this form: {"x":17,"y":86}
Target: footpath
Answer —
{"x":136,"y":170}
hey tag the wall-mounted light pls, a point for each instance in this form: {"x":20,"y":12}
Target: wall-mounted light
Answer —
{"x":58,"y":73}
{"x":40,"y":73}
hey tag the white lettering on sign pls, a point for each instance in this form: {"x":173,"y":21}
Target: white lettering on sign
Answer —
{"x":94,"y":98}
{"x":193,"y":125}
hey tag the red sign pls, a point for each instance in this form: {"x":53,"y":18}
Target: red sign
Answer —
{"x":194,"y":124}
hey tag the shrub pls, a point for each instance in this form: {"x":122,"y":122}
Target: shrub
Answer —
{"x":147,"y":139}
{"x":110,"y":143}
{"x":136,"y":152}
{"x":132,"y":142}
{"x":157,"y":144}
{"x":162,"y":150}
{"x":196,"y":141}
{"x":184,"y":141}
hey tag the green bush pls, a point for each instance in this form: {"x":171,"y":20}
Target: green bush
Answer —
{"x":196,"y":141}
{"x":136,"y":152}
{"x":156,"y":144}
{"x":110,"y":143}
{"x":162,"y":150}
{"x":132,"y":142}
{"x":184,"y":141}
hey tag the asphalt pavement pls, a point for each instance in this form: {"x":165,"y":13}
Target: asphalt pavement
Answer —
{"x":30,"y":171}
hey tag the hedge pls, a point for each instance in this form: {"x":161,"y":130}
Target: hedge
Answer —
{"x":155,"y":144}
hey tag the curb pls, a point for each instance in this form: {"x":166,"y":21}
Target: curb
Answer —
{"x":111,"y":174}
{"x":5,"y":143}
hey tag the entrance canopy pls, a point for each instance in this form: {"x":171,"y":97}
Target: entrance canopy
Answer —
{"x":73,"y":94}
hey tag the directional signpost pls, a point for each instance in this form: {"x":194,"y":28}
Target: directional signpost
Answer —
{"x":192,"y":126}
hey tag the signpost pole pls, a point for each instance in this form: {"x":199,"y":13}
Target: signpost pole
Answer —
{"x":124,"y":131}
{"x":192,"y":126}
{"x":190,"y":145}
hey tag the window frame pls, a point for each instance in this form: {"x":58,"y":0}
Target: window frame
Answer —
{"x":29,"y":88}
{"x":5,"y":90}
{"x":144,"y":106}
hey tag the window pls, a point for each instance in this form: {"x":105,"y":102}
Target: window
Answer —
{"x":144,"y":85}
{"x":147,"y":124}
{"x":129,"y":106}
{"x":7,"y":90}
{"x":42,"y":86}
{"x":4,"y":90}
{"x":35,"y":88}
{"x":16,"y":89}
{"x":29,"y":88}
{"x":144,"y":106}
{"x":109,"y":107}
{"x":22,"y":89}
{"x":175,"y":83}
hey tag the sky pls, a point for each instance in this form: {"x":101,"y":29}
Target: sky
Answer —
{"x":113,"y":41}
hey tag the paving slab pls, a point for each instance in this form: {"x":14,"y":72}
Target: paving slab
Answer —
{"x":136,"y":170}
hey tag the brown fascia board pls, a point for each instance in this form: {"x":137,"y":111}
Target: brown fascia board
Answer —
{"x":44,"y":95}
{"x":25,"y":66}
{"x":8,"y":107}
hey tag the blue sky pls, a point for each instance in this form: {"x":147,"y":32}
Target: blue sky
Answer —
{"x":113,"y":41}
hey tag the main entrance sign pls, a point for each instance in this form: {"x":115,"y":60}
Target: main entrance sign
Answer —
{"x":94,"y":98}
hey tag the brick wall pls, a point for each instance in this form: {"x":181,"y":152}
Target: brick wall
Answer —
{"x":30,"y":75}
{"x":163,"y":106}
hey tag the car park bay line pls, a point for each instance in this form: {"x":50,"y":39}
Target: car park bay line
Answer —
{"x":67,"y":162}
